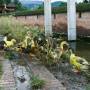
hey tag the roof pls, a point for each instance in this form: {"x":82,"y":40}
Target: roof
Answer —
{"x":9,"y":7}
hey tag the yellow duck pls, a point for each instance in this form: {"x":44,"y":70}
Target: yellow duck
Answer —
{"x":62,"y":45}
{"x":28,"y":41}
{"x":78,"y":63}
{"x":64,"y":50}
{"x":9,"y":43}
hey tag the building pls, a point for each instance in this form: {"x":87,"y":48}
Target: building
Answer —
{"x":7,"y":8}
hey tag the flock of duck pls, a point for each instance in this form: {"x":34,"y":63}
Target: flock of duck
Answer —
{"x":30,"y":45}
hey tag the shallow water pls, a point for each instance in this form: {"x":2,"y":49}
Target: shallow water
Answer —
{"x":81,"y":49}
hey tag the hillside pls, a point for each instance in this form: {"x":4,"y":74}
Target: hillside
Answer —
{"x":36,"y":4}
{"x":32,"y":4}
{"x":58,"y":4}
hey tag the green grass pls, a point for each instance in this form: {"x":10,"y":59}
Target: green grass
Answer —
{"x":17,"y":30}
{"x":10,"y":25}
{"x":37,"y":83}
{"x":1,"y":88}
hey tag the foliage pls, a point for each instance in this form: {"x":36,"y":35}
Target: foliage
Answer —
{"x":4,"y":1}
{"x":18,"y":5}
{"x":8,"y":55}
{"x":15,"y":28}
{"x":10,"y":25}
{"x":83,"y":7}
{"x":88,"y":87}
{"x":37,"y":82}
{"x":85,"y":1}
{"x":1,"y":2}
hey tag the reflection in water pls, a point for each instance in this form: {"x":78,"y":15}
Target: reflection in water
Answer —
{"x":83,"y":50}
{"x":73,"y":46}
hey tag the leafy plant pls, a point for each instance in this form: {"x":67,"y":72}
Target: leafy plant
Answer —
{"x":8,"y":55}
{"x":10,"y":25}
{"x":37,"y":82}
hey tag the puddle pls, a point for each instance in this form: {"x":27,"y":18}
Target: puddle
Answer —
{"x":22,"y":77}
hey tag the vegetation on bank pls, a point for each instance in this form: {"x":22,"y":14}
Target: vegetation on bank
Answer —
{"x":82,"y":7}
{"x":16,"y":29}
{"x":9,"y":25}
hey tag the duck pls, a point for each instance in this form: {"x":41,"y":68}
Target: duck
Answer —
{"x":10,"y":43}
{"x":78,"y":63}
{"x":64,"y":50}
{"x":27,"y":45}
{"x":62,"y":45}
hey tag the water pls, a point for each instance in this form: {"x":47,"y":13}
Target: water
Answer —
{"x":81,"y":49}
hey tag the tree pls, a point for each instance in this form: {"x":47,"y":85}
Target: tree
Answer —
{"x":5,"y":2}
{"x":1,"y":2}
{"x":85,"y":1}
{"x":18,"y":5}
{"x":16,"y":2}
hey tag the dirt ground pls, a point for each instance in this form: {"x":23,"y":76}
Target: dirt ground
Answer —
{"x":60,"y":23}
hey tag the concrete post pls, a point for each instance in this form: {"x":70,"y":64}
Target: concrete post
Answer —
{"x":48,"y":17}
{"x":71,"y":13}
